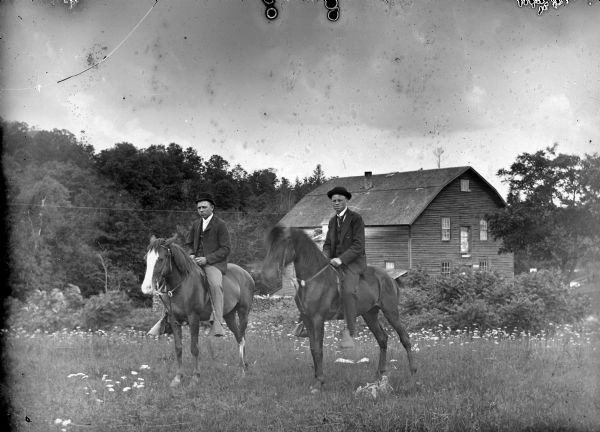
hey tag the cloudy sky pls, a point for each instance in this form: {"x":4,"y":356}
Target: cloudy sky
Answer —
{"x":377,"y":91}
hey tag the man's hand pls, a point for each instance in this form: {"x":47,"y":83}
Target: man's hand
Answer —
{"x":200,"y":260}
{"x":336,"y":262}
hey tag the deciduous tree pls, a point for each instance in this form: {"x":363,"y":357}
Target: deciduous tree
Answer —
{"x":552,"y":217}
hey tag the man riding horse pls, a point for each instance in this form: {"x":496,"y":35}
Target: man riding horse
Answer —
{"x":345,"y":248}
{"x":208,"y":244}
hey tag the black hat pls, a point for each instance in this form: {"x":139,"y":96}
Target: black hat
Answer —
{"x":339,"y":190}
{"x":206,"y":197}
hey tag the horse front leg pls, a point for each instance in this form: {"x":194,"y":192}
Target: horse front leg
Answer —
{"x":177,"y":338}
{"x":315,"y":335}
{"x":194,"y":330}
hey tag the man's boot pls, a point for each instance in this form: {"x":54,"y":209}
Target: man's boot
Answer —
{"x":155,"y":330}
{"x":216,"y":329}
{"x":161,"y":327}
{"x":350,"y":315}
{"x":300,"y":330}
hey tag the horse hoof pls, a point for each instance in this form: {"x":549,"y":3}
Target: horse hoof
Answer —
{"x":316,"y":388}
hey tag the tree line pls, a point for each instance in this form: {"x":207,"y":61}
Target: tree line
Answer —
{"x":81,"y":217}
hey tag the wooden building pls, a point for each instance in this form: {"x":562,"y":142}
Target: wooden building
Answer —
{"x":428,"y":219}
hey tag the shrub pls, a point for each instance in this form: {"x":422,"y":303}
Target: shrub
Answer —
{"x":485,"y":300}
{"x":46,"y":310}
{"x":103,"y":310}
{"x":544,"y":297}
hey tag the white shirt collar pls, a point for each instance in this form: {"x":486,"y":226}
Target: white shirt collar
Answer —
{"x":206,"y":221}
{"x":343,"y":212}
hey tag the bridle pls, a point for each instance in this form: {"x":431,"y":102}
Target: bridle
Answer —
{"x":164,"y":272}
{"x":303,"y":282}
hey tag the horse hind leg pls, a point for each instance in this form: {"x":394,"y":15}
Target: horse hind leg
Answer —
{"x":239,"y":337}
{"x":381,"y":336}
{"x":393,"y":318}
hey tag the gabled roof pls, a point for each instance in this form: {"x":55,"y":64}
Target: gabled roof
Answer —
{"x":396,"y":198}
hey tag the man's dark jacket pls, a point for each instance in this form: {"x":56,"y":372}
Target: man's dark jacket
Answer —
{"x":352,"y":247}
{"x":213,"y":243}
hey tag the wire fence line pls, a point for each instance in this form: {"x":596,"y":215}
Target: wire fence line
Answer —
{"x":134,"y":210}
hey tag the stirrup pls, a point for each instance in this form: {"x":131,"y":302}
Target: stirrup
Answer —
{"x":216,"y":330}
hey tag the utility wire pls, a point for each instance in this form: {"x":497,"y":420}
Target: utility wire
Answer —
{"x":136,"y":210}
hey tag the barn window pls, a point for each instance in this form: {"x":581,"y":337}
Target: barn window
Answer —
{"x":445,"y":267}
{"x":465,"y":239}
{"x":445,"y":229}
{"x":464,"y":185}
{"x":483,"y":265}
{"x":390,"y":265}
{"x":483,"y":230}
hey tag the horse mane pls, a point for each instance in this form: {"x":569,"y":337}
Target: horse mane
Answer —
{"x":305,"y":247}
{"x":181,"y":259}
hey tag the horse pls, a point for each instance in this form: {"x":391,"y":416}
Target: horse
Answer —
{"x":183,"y":288}
{"x":318,"y":295}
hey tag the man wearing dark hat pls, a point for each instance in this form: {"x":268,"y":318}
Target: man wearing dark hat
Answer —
{"x":209,"y":245}
{"x":345,"y":247}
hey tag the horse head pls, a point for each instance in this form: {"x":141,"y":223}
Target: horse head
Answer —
{"x":158,"y":261}
{"x":163,"y":257}
{"x":280,"y":252}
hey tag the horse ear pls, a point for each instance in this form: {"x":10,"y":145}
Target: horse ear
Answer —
{"x":152,"y":238}
{"x":171,"y":240}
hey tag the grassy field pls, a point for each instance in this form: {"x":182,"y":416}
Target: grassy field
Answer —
{"x":119,"y":381}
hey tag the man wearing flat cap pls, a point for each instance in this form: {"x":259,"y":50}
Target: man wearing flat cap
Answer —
{"x":345,"y":247}
{"x":209,"y":245}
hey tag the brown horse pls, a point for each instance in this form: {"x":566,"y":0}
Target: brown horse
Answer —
{"x":318,"y":297}
{"x":184,"y":291}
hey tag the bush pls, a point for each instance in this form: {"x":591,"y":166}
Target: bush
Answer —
{"x":485,"y":300}
{"x":46,"y":310}
{"x":55,"y":310}
{"x":542,"y":298}
{"x":103,"y":310}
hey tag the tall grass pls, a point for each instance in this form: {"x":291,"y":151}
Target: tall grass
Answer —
{"x":466,"y":382}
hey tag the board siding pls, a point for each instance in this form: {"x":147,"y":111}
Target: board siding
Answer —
{"x":463,"y":209}
{"x":387,"y":243}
